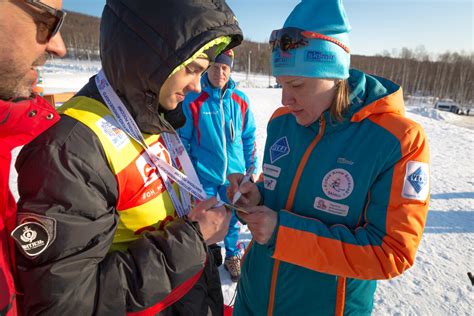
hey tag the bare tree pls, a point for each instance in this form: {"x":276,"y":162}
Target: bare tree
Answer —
{"x":449,"y":75}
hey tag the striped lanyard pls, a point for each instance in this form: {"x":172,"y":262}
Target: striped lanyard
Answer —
{"x":188,"y":184}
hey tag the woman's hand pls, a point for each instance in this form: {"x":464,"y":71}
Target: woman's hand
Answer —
{"x":261,"y":222}
{"x":250,"y":194}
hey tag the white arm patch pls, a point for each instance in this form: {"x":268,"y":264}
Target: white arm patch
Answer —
{"x":416,"y":184}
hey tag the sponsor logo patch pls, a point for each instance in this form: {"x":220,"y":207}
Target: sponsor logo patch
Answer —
{"x":283,"y":59}
{"x":269,"y":183}
{"x":271,"y":170}
{"x":331,"y":207}
{"x":338,"y":184}
{"x":32,"y":237}
{"x":344,"y":161}
{"x":279,"y":149}
{"x":416,"y":184}
{"x":116,"y":136}
{"x":318,"y":57}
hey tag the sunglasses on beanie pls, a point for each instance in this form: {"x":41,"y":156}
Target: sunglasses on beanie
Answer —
{"x":290,"y":38}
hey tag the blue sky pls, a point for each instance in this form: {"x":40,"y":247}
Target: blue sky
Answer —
{"x":377,"y":25}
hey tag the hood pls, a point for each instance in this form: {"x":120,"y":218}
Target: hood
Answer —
{"x":142,"y":42}
{"x":373,"y":95}
{"x":369,"y":95}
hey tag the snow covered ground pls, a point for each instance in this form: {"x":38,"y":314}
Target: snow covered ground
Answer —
{"x":438,"y":283}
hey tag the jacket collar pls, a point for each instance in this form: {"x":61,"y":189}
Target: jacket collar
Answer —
{"x":370,"y":95}
{"x":22,"y":120}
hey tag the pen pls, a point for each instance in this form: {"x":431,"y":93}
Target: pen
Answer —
{"x":246,"y":179}
{"x":230,"y":206}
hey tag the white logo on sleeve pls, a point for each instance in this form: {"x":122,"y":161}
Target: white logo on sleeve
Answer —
{"x":32,"y":238}
{"x":416,"y":184}
{"x":338,"y":184}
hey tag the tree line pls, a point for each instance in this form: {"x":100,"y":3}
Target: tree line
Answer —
{"x":447,"y":76}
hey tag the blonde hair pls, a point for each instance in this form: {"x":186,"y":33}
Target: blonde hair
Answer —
{"x":341,"y":102}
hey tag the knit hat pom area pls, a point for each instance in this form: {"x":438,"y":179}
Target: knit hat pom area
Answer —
{"x":226,"y":57}
{"x":313,"y":42}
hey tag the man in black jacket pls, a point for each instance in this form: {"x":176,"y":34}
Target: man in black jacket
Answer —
{"x":97,"y":231}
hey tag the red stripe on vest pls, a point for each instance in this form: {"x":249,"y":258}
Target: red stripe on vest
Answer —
{"x":243,"y":106}
{"x":195,"y":108}
{"x":175,"y":295}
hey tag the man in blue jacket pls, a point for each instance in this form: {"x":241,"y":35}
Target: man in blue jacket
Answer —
{"x":219,"y":135}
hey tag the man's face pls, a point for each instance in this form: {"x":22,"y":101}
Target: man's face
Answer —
{"x":23,"y":46}
{"x":218,"y":75}
{"x":181,"y":83}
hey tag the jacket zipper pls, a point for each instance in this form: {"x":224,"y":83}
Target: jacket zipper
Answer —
{"x":288,"y":207}
{"x":223,"y":138}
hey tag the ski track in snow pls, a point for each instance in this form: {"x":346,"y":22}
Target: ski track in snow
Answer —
{"x":437,"y":284}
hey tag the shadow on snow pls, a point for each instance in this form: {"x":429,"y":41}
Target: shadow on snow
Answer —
{"x":450,"y":222}
{"x":452,"y":195}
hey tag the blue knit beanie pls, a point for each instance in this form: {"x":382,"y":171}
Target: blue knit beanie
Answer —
{"x":321,"y":58}
{"x":226,"y":57}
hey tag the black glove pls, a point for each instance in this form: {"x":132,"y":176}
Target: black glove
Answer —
{"x":216,"y":253}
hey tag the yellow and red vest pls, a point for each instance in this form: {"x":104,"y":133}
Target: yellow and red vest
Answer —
{"x":143,"y":203}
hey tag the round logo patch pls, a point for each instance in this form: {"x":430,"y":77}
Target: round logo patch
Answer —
{"x":338,"y":184}
{"x":32,"y":238}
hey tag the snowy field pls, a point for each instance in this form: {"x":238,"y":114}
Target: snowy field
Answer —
{"x":438,"y":283}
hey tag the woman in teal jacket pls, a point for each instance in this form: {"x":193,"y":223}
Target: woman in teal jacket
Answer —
{"x":346,"y":179}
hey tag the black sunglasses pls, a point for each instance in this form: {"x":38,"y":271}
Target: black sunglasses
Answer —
{"x":287,"y":39}
{"x":58,"y":16}
{"x":291,"y":38}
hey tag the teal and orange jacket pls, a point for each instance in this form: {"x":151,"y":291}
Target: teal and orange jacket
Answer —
{"x":352,"y":200}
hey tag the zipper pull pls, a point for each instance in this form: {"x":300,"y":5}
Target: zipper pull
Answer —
{"x":232,"y":132}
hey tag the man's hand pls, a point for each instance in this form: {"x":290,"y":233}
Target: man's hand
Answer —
{"x":250,"y":194}
{"x":213,"y":222}
{"x":261,"y":222}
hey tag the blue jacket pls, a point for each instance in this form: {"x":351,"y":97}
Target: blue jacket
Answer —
{"x":219,"y":133}
{"x":352,"y":200}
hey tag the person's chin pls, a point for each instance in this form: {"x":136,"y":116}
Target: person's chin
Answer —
{"x":302,"y":121}
{"x":170,"y":105}
{"x":28,"y":81}
{"x":23,"y":90}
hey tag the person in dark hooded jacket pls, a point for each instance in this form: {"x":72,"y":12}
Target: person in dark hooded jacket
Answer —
{"x":98,"y":231}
